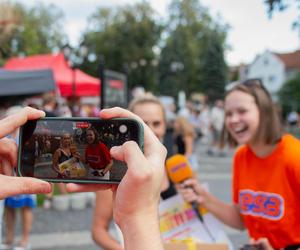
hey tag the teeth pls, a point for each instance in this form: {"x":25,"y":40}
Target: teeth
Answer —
{"x":239,"y":130}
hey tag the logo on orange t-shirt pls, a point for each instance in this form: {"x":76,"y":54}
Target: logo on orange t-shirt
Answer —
{"x":261,"y":204}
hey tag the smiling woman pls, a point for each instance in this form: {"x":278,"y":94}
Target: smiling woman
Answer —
{"x":251,"y":115}
{"x":266,"y":171}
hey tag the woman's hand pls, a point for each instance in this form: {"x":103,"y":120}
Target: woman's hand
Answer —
{"x":263,"y":243}
{"x":192,"y":191}
{"x":8,"y":157}
{"x":140,"y":187}
{"x":136,"y":198}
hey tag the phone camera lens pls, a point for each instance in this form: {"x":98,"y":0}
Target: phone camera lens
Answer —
{"x":123,"y":129}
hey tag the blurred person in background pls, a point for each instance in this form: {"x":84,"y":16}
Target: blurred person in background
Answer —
{"x":152,"y":112}
{"x":184,"y":136}
{"x":63,"y":108}
{"x":49,"y":104}
{"x":293,"y":118}
{"x":205,"y":124}
{"x":195,"y":120}
{"x":186,"y":110}
{"x":217,"y":122}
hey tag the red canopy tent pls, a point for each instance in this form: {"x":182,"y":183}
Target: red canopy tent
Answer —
{"x":85,"y":85}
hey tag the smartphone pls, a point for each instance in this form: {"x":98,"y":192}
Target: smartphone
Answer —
{"x":75,"y":149}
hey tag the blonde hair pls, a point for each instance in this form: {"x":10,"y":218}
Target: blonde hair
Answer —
{"x":186,"y":129}
{"x":146,"y":99}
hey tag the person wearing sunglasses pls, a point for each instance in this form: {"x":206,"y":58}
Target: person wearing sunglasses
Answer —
{"x":266,"y":172}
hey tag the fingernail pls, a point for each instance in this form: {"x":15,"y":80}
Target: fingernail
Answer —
{"x":42,"y":113}
{"x":114,"y":149}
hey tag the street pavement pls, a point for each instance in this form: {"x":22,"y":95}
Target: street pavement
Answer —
{"x":71,"y":230}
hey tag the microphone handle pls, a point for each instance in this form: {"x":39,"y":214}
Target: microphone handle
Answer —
{"x":195,"y":206}
{"x":196,"y":209}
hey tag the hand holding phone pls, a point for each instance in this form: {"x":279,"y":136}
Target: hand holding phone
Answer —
{"x":142,"y":181}
{"x":8,"y":153}
{"x":136,"y":197}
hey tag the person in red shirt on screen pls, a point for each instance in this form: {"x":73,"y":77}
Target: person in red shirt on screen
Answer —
{"x":97,"y":155}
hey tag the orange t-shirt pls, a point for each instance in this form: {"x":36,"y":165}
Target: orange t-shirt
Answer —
{"x":268,"y":192}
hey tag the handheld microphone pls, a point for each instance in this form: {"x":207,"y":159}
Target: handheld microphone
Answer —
{"x":179,"y":169}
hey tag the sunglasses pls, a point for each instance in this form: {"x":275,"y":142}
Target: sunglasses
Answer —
{"x":249,"y":83}
{"x":254,"y":81}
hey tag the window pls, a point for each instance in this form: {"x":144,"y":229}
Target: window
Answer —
{"x":272,"y":79}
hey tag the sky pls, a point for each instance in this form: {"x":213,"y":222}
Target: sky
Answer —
{"x":251,"y":33}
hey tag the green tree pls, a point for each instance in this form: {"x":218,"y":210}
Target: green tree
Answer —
{"x":126,"y":37}
{"x":213,"y":69}
{"x":282,"y":5}
{"x":289,"y":94}
{"x":35,"y":30}
{"x":190,"y":28}
{"x":274,"y":5}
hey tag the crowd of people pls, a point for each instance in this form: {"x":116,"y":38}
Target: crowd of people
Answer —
{"x":265,"y":169}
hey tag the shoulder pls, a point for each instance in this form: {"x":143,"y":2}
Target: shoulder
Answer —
{"x":102,"y":145}
{"x":290,"y":148}
{"x":241,"y":151}
{"x":288,"y":138}
{"x":241,"y":156}
{"x":291,"y":144}
{"x":58,"y":151}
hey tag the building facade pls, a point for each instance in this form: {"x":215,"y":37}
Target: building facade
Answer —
{"x":274,"y":69}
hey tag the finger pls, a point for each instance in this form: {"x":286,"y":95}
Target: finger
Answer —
{"x":130,"y":153}
{"x":264,"y":242}
{"x":7,"y":167}
{"x":118,"y":113}
{"x":72,"y":187}
{"x":117,"y":153}
{"x":188,"y":182}
{"x":252,"y":241}
{"x":8,"y":150}
{"x":150,"y":140}
{"x":12,"y":122}
{"x":125,"y":152}
{"x":139,"y":170}
{"x":22,"y":185}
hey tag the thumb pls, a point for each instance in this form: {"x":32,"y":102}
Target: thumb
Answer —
{"x":130,"y":153}
{"x":22,"y":185}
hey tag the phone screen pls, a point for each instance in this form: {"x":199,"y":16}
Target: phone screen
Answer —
{"x":75,"y":150}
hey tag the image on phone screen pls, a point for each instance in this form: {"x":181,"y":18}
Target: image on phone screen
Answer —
{"x":77,"y":150}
